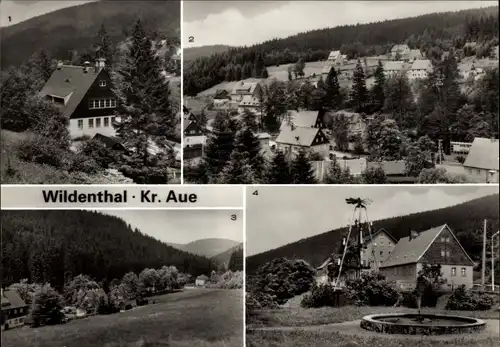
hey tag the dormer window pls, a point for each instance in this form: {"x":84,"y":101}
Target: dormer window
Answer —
{"x":102,"y":83}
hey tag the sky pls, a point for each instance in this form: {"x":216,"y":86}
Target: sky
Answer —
{"x":184,"y":226}
{"x":281,"y":215}
{"x":238,"y":23}
{"x":21,"y":10}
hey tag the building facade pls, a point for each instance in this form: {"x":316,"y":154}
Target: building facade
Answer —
{"x":481,"y":164}
{"x":14,"y":309}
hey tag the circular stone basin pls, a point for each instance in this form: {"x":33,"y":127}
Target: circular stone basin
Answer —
{"x":424,"y":324}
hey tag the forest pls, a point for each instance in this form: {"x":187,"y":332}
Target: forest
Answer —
{"x":432,"y":34}
{"x":465,"y":220}
{"x":55,"y":246}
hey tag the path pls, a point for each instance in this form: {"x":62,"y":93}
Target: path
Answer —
{"x":352,"y":328}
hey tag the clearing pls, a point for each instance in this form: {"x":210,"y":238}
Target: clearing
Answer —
{"x":194,"y":317}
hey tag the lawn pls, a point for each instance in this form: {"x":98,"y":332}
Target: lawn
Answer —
{"x":194,"y":317}
{"x":302,"y":317}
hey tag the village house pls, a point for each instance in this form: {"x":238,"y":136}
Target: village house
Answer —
{"x":413,"y":54}
{"x":481,"y":164}
{"x":225,"y":105}
{"x":194,"y":140}
{"x":84,"y":95}
{"x":393,"y":67}
{"x":336,"y":58}
{"x":252,"y":89}
{"x":356,"y":123}
{"x":303,"y":119}
{"x":434,"y":246}
{"x":201,"y":280}
{"x":292,"y":140}
{"x":14,"y":309}
{"x":399,"y":50}
{"x":420,"y":69}
{"x":376,"y":248}
{"x":249,"y":103}
{"x":469,"y":70}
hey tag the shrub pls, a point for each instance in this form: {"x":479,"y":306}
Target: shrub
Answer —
{"x":85,"y":164}
{"x":257,"y":301}
{"x":230,"y":280}
{"x":101,"y":154}
{"x":320,"y":295}
{"x":372,"y":289}
{"x":42,"y":150}
{"x":460,"y":159}
{"x":467,"y":300}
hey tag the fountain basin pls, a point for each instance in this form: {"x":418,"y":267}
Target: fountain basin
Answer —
{"x":424,"y":324}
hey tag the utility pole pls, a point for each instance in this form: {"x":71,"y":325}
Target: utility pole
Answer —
{"x":493,"y":260}
{"x":483,"y":270}
{"x":440,"y":151}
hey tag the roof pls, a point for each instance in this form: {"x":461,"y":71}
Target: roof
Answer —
{"x":303,"y":119}
{"x":333,"y":55}
{"x":393,"y":65}
{"x":298,"y":136}
{"x":414,"y":53}
{"x":325,"y":264}
{"x":464,"y":67}
{"x":68,"y":80}
{"x":249,"y":100}
{"x":483,"y":154}
{"x":411,"y":251}
{"x":381,"y":230}
{"x":108,"y":141}
{"x":202,"y":277}
{"x":397,"y":48}
{"x":11,"y":300}
{"x":421,"y":65}
{"x":244,"y":88}
{"x":262,"y":136}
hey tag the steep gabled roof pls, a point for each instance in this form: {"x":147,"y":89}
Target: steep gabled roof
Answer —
{"x":483,"y":154}
{"x":398,"y":48}
{"x":333,"y":55}
{"x":11,"y":300}
{"x":67,"y":80}
{"x":298,"y":136}
{"x":202,"y":277}
{"x":411,"y":251}
{"x":393,"y":65}
{"x":421,"y":65}
{"x":302,"y":119}
{"x":244,"y":88}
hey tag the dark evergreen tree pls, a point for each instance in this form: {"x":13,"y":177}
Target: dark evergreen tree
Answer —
{"x":279,"y":170}
{"x":333,"y":97}
{"x":236,"y":260}
{"x":302,"y":171}
{"x":359,"y":94}
{"x":338,"y":175}
{"x":220,"y":144}
{"x":378,"y":95}
{"x":103,"y":46}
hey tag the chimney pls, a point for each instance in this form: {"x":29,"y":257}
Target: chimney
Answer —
{"x":59,"y":65}
{"x":86,"y":66}
{"x":413,"y":234}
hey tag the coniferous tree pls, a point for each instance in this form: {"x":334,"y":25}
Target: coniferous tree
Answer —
{"x":144,"y":111}
{"x":236,"y":260}
{"x":338,"y":175}
{"x":279,"y":170}
{"x":302,"y":171}
{"x":220,"y":144}
{"x":359,"y":93}
{"x":333,"y":97}
{"x":378,"y":95}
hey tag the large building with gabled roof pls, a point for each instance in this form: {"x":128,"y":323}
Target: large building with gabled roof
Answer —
{"x":84,"y":94}
{"x":481,"y":164}
{"x":437,"y":245}
{"x":291,"y":140}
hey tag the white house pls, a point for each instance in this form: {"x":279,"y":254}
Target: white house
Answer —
{"x":303,"y":119}
{"x":336,"y":58}
{"x":393,"y":67}
{"x":84,"y":94}
{"x":201,"y":280}
{"x":400,"y":50}
{"x":292,"y":140}
{"x":242,"y":89}
{"x":419,"y":69}
{"x":481,"y":164}
{"x":249,"y":103}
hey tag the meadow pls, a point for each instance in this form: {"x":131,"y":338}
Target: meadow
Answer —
{"x":194,"y":317}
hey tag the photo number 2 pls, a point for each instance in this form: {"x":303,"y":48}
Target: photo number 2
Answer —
{"x":191,"y":38}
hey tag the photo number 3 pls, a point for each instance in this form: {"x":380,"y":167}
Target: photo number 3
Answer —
{"x":234,"y":217}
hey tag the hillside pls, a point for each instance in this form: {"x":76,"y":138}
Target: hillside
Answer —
{"x":224,"y":257}
{"x":193,"y":53}
{"x":435,"y":32}
{"x":75,"y":28}
{"x":51,"y":246}
{"x":466,"y":221}
{"x":206,"y":247}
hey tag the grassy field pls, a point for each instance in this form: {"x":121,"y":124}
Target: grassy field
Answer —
{"x":301,"y":317}
{"x":192,"y":318}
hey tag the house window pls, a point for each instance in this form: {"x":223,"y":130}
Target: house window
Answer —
{"x":91,"y":123}
{"x":447,"y":239}
{"x":381,"y":253}
{"x":464,"y":272}
{"x":80,"y":124}
{"x":98,"y":122}
{"x":443,"y":239}
{"x":106,"y":122}
{"x":453,"y":271}
{"x":112,"y":120}
{"x":447,"y":254}
{"x":442,"y":253}
{"x":102,"y":103}
{"x":102,"y":83}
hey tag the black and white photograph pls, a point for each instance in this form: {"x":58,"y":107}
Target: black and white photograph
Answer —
{"x":340,"y":92}
{"x":398,"y":265}
{"x":122,"y":278}
{"x":90,"y":92}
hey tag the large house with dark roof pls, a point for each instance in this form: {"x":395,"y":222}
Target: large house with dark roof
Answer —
{"x":84,"y":95}
{"x":303,"y":119}
{"x":481,"y":164}
{"x":252,"y":89}
{"x":291,"y":140}
{"x":434,"y":246}
{"x":14,"y":309}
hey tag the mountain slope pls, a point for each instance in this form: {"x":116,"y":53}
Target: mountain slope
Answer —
{"x":74,"y":28}
{"x":51,"y":246}
{"x":203,"y":51}
{"x":206,"y":247}
{"x":224,"y":257}
{"x":466,"y":221}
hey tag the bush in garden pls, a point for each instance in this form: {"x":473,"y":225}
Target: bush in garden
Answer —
{"x":466,"y":300}
{"x":103,"y":156}
{"x":85,"y":164}
{"x":45,"y":151}
{"x":258,"y":301}
{"x":372,"y":289}
{"x":320,"y":295}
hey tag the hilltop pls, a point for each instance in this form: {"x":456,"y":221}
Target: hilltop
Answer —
{"x":101,"y":246}
{"x":466,"y":221}
{"x":209,"y":247}
{"x":193,"y":53}
{"x":224,"y":257}
{"x":74,"y":28}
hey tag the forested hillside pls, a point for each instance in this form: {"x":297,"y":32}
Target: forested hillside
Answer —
{"x":466,"y":220}
{"x":225,"y":257}
{"x":54,"y":246}
{"x":432,"y":34}
{"x":74,"y":28}
{"x":206,"y":247}
{"x":193,"y":53}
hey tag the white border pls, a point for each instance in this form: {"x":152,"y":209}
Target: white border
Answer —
{"x":245,"y":188}
{"x":182,"y":91}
